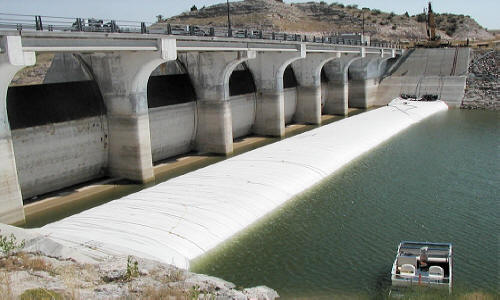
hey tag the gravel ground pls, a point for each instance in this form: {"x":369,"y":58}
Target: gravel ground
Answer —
{"x":40,"y":268}
{"x":483,"y":86}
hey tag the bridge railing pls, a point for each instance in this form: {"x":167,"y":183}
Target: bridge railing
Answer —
{"x":22,"y":22}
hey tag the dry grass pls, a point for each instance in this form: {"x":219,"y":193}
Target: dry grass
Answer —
{"x":25,"y":261}
{"x":5,"y":286}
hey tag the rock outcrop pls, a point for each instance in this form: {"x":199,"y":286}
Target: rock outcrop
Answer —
{"x":483,"y":85}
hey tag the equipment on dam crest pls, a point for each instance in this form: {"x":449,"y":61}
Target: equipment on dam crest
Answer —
{"x":423,"y":264}
{"x":433,"y":40}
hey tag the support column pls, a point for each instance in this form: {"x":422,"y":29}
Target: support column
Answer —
{"x":12,"y":60}
{"x":123,"y":78}
{"x":210,"y":72}
{"x":268,"y":69}
{"x":308,"y":73}
{"x":363,"y":86}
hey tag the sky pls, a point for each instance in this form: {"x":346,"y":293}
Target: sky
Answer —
{"x":486,"y":12}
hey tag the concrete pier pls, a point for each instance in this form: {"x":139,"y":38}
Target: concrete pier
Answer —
{"x":210,"y":72}
{"x":12,"y":60}
{"x":268,"y":69}
{"x":308,"y":73}
{"x":179,"y":220}
{"x":123,"y":79}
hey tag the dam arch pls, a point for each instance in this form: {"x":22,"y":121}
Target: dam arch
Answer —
{"x":58,"y":124}
{"x":242,"y":100}
{"x":172,"y":111}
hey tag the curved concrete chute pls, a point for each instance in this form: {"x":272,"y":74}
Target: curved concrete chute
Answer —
{"x":12,"y":60}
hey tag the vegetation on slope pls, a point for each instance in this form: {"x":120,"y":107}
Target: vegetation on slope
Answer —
{"x":326,"y":19}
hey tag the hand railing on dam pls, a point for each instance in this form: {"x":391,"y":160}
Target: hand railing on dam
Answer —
{"x":20,"y":23}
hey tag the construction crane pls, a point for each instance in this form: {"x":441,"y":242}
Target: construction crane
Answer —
{"x":431,"y":24}
{"x":433,"y":40}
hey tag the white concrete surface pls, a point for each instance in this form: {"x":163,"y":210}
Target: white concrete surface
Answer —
{"x":54,"y":156}
{"x":173,"y":130}
{"x":179,"y":220}
{"x":242,"y":114}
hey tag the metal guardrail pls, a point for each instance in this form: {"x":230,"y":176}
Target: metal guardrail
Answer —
{"x":21,"y":23}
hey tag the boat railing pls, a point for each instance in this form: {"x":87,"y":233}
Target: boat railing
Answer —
{"x":421,"y":279}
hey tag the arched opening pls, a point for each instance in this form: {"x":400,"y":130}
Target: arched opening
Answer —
{"x":172,"y":111}
{"x":242,"y":100}
{"x":58,"y":125}
{"x":290,"y":93}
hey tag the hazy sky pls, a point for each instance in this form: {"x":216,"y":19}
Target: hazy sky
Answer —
{"x":486,"y":12}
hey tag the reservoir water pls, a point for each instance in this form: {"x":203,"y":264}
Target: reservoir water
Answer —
{"x":437,"y":181}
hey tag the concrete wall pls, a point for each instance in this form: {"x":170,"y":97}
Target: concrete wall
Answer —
{"x":362,"y":93}
{"x":173,"y":129}
{"x":242,"y":114}
{"x":428,"y":71}
{"x":290,"y":96}
{"x":324,"y":94}
{"x":53,"y":156}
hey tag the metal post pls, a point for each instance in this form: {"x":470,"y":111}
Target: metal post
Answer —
{"x":143,"y":28}
{"x":79,"y":24}
{"x":38,"y":23}
{"x":246,"y":33}
{"x":229,"y":31}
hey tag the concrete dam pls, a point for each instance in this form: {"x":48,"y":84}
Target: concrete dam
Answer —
{"x":113,"y":105}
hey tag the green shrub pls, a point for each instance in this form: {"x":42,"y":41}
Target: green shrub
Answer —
{"x":132,"y":268}
{"x":10,"y":244}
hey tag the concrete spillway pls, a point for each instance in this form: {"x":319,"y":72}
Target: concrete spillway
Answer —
{"x":182,"y":218}
{"x":441,"y":72}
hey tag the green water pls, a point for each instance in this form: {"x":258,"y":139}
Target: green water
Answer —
{"x":437,"y":181}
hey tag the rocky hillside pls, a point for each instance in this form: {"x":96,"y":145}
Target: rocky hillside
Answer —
{"x":324,"y":18}
{"x":483,"y":85}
